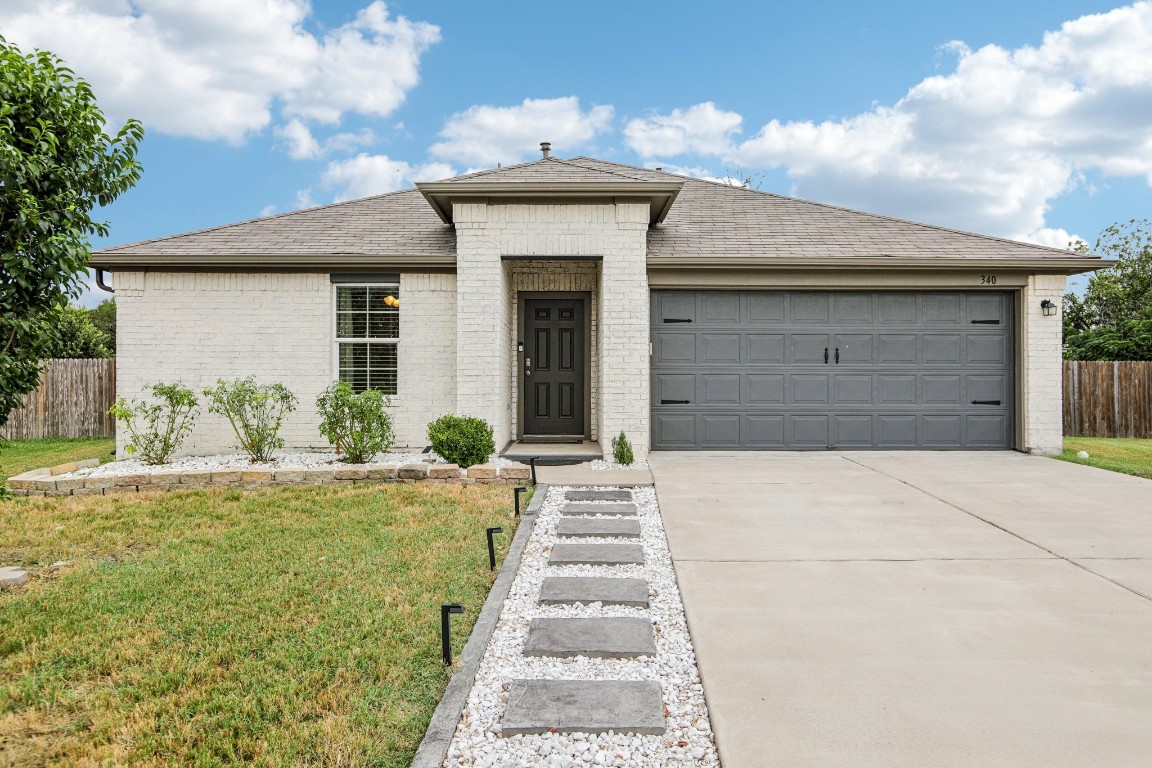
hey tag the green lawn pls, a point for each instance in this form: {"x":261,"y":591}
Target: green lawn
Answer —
{"x":18,"y":456}
{"x":1119,"y":454}
{"x":291,"y":626}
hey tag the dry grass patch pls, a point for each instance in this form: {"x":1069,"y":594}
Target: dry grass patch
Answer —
{"x":292,"y":626}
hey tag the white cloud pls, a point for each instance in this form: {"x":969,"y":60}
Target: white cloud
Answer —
{"x":217,"y":69}
{"x":297,"y":140}
{"x":702,"y":129}
{"x":366,"y":175}
{"x":484,"y":135}
{"x":267,"y":210}
{"x":984,"y":147}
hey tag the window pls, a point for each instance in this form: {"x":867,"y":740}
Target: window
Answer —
{"x":367,"y":329}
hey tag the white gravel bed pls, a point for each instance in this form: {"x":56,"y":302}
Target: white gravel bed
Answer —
{"x":609,"y":463}
{"x":687,"y":742}
{"x":281,"y":460}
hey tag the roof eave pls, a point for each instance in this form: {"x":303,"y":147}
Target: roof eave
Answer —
{"x":1072,"y":265}
{"x":275,"y":262}
{"x":660,"y":194}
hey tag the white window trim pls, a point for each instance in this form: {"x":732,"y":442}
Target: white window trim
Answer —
{"x":336,"y":340}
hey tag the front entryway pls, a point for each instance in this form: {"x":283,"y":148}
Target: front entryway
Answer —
{"x":554,"y":367}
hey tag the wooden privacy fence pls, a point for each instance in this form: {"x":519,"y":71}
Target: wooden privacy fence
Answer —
{"x":1107,"y":399}
{"x":72,"y":401}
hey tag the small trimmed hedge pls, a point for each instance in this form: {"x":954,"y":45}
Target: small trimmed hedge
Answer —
{"x":463,"y":440}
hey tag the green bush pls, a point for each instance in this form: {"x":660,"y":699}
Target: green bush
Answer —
{"x":356,"y":424}
{"x":255,"y":411}
{"x":622,"y":450}
{"x":463,"y":440}
{"x":157,"y":429}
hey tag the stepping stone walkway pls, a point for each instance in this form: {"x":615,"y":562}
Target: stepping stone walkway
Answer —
{"x":565,"y":590}
{"x":584,"y":706}
{"x":11,"y":576}
{"x":582,"y":553}
{"x":602,"y":527}
{"x":586,"y":510}
{"x":590,"y":706}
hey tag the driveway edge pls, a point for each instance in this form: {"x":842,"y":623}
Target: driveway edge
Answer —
{"x":438,"y":737}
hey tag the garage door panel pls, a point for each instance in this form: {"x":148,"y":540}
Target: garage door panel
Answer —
{"x":852,"y":389}
{"x":674,"y":348}
{"x":720,"y":389}
{"x":852,"y":431}
{"x":764,"y":348}
{"x":763,"y":431}
{"x":807,"y":348}
{"x":748,"y":369}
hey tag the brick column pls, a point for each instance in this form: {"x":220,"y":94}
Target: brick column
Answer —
{"x":1041,"y":367}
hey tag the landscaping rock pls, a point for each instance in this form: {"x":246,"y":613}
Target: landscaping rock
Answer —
{"x":413,"y":472}
{"x":11,"y":576}
{"x":382,"y":471}
{"x":351,"y":472}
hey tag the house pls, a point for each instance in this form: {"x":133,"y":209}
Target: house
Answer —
{"x":575,"y":299}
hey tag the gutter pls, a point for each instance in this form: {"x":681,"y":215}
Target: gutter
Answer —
{"x":100,"y":281}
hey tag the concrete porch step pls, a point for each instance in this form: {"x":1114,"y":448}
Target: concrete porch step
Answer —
{"x":584,"y":706}
{"x":602,"y":638}
{"x":575,"y":527}
{"x":565,"y":590}
{"x":583,"y":553}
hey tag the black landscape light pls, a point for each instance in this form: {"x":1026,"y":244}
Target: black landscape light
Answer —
{"x":532,"y":463}
{"x":1048,"y":307}
{"x":519,"y":490}
{"x":492,"y":547}
{"x":446,"y":610}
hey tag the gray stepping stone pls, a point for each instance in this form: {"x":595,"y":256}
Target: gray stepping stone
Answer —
{"x":624,"y":528}
{"x":584,"y":553}
{"x":11,"y":576}
{"x":598,"y":495}
{"x":615,"y":637}
{"x":581,"y":508}
{"x":564,"y":590}
{"x":584,"y":706}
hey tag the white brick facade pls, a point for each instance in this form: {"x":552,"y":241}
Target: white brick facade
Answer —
{"x":197,"y":327}
{"x":1041,"y":356}
{"x":613,"y":233}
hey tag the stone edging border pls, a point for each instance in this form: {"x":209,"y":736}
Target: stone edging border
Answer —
{"x":438,"y":736}
{"x":43,"y":482}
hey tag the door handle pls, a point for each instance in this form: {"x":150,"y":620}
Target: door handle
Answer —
{"x":825,"y":355}
{"x":675,"y":402}
{"x":837,"y":355}
{"x":985,"y":402}
{"x":677,"y":320}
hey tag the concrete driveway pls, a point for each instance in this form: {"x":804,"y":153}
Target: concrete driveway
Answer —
{"x":915,"y":609}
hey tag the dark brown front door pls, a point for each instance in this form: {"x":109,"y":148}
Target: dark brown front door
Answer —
{"x":553,"y":382}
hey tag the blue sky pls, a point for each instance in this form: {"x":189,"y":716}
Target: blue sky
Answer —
{"x":1024,"y":119}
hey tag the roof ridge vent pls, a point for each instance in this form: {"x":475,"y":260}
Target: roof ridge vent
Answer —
{"x":545,"y":148}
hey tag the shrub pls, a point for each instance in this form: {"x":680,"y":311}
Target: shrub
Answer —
{"x":157,"y":429}
{"x":356,"y":424}
{"x":463,"y":440}
{"x":255,"y":412}
{"x":622,"y":450}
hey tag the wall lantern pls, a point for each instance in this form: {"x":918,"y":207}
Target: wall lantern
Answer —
{"x":1049,"y":307}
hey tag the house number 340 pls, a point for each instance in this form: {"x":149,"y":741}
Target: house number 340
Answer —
{"x":987,"y":279}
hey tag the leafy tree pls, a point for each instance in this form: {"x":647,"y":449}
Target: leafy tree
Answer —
{"x":1114,"y":319}
{"x":56,"y":165}
{"x":103,"y":316}
{"x":71,"y":333}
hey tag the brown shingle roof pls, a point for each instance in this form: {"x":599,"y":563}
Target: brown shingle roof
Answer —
{"x":709,"y":224}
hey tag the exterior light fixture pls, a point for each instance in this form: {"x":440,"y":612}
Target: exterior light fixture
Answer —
{"x":1048,"y":307}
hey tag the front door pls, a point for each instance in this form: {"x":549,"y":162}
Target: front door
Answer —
{"x":553,"y":373}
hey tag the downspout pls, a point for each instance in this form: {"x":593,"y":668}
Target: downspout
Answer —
{"x":100,"y":280}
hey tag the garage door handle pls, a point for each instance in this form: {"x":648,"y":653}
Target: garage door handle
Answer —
{"x":677,"y":320}
{"x":825,"y":355}
{"x":985,"y":402}
{"x":837,"y":355}
{"x":985,"y":322}
{"x":675,"y":402}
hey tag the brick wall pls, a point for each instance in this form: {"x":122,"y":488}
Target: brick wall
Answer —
{"x":1041,"y":361}
{"x":197,"y":327}
{"x":487,"y":382}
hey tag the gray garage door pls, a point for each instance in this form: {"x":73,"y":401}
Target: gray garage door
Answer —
{"x":813,"y":370}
